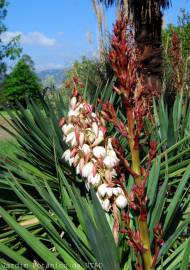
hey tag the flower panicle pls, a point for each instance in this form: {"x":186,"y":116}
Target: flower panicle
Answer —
{"x":91,"y":152}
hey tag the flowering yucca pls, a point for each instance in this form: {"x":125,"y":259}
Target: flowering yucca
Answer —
{"x":91,"y":152}
{"x":100,"y":159}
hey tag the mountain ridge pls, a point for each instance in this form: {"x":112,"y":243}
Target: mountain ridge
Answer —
{"x":57,"y":73}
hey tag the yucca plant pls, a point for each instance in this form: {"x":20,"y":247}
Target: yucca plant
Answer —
{"x":49,"y":220}
{"x":43,"y":211}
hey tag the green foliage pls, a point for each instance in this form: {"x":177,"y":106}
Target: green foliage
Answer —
{"x":93,"y":73}
{"x":183,"y":31}
{"x":21,"y":83}
{"x":10,"y":50}
{"x":65,"y":226}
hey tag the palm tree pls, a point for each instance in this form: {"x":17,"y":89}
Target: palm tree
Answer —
{"x":146,"y":16}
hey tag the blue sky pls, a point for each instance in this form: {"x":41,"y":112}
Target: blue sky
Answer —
{"x":54,"y":32}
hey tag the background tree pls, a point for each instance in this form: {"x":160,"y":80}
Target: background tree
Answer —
{"x":92,"y":72}
{"x":21,"y":83}
{"x":10,"y":50}
{"x":146,"y":16}
{"x":28,"y":61}
{"x":176,"y":52}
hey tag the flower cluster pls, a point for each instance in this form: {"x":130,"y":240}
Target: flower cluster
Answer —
{"x":91,"y":152}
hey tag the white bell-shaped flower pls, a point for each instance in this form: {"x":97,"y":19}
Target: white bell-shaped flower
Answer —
{"x":110,"y":162}
{"x":109,"y":192}
{"x":71,"y":139}
{"x":87,"y":169}
{"x":121,"y":201}
{"x":94,"y":180}
{"x":99,"y":151}
{"x":112,"y":153}
{"x":117,"y":191}
{"x":67,"y":154}
{"x":87,"y":185}
{"x":86,"y":148}
{"x":70,"y":136}
{"x":106,"y":205}
{"x":78,"y":171}
{"x":102,"y":190}
{"x":67,"y":129}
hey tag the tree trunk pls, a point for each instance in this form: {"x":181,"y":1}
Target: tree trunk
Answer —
{"x":147,"y":18}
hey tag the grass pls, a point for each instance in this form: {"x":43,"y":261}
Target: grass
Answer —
{"x":8,"y":145}
{"x":8,"y":148}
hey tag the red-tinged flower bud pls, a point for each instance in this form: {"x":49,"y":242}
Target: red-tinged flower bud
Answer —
{"x":105,"y":115}
{"x":103,"y":129}
{"x":76,"y":160}
{"x":153,"y":150}
{"x":100,"y":162}
{"x":136,"y":143}
{"x":75,"y":92}
{"x":61,"y":122}
{"x":117,"y":90}
{"x":77,"y":133}
{"x":81,"y":164}
{"x":88,"y":107}
{"x":67,"y":84}
{"x":73,"y":152}
{"x":123,"y":231}
{"x":126,"y":218}
{"x":137,"y":236}
{"x":87,"y":157}
{"x":143,"y":214}
{"x":94,"y":170}
{"x":81,"y":139}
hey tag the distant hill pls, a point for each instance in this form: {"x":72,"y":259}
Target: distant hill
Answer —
{"x":58,"y":74}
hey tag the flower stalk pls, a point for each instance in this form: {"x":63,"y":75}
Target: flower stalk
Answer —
{"x":130,"y":86}
{"x":142,"y":222}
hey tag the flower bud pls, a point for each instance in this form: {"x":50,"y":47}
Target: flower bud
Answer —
{"x":95,"y":128}
{"x":81,"y":139}
{"x":73,"y":103}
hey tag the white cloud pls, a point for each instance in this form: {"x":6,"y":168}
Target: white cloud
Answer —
{"x":31,"y":38}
